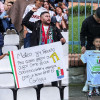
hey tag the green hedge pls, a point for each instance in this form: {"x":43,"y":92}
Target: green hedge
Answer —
{"x":82,"y":10}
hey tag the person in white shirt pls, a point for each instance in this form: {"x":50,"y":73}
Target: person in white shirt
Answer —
{"x":52,"y":13}
{"x":35,"y":17}
{"x":46,"y":5}
{"x":64,"y":7}
{"x":62,"y":19}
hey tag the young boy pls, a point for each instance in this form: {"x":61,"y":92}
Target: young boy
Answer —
{"x":91,"y":58}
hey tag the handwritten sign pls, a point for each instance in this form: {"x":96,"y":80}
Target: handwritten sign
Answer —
{"x":38,"y":65}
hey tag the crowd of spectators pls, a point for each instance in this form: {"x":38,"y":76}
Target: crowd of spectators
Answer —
{"x":12,"y":13}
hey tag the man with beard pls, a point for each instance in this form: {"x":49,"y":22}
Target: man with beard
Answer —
{"x":35,"y":17}
{"x":43,"y":32}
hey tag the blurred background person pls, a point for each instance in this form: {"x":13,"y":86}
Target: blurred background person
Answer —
{"x":16,"y":13}
{"x":52,"y":13}
{"x":6,"y":21}
{"x":1,"y":7}
{"x":62,"y":20}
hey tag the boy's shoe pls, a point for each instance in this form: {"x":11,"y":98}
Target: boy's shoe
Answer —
{"x":8,"y":31}
{"x":97,"y":93}
{"x":13,"y":31}
{"x":90,"y":94}
{"x":85,"y":88}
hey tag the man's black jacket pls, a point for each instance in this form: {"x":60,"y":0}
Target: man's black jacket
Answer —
{"x":35,"y":28}
{"x":90,"y":29}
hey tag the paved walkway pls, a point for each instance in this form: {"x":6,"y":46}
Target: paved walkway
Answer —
{"x":75,"y":93}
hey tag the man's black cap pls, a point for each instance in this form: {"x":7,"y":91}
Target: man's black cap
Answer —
{"x":97,"y":12}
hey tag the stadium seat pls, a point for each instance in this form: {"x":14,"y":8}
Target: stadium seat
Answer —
{"x":22,"y":47}
{"x":65,"y":46}
{"x":5,"y":66}
{"x":6,"y":94}
{"x":47,"y":84}
{"x":65,"y":49}
{"x":7,"y":81}
{"x":11,"y":39}
{"x":50,"y":93}
{"x":26,"y":94}
{"x":64,"y":82}
{"x":5,"y":49}
{"x":66,"y":95}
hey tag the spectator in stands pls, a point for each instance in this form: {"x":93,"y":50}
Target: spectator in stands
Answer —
{"x":90,"y":29}
{"x":52,"y":2}
{"x":65,"y":2}
{"x":43,"y":32}
{"x":50,"y":6}
{"x":1,"y":7}
{"x":16,"y":13}
{"x":62,"y":19}
{"x":64,"y":7}
{"x":6,"y":21}
{"x":35,"y":17}
{"x":52,"y":13}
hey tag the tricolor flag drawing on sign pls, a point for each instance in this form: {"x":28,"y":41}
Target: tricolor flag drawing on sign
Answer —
{"x":98,"y":61}
{"x":60,"y":73}
{"x":13,"y":66}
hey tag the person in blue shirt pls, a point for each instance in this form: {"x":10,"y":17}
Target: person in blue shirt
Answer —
{"x":91,"y":62}
{"x":96,"y":46}
{"x":6,"y":21}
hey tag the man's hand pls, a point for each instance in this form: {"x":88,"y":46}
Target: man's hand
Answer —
{"x":62,"y":40}
{"x":5,"y":17}
{"x":34,"y":9}
{"x":83,"y":49}
{"x":25,"y":32}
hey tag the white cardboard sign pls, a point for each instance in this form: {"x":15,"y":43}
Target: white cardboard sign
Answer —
{"x":38,"y":65}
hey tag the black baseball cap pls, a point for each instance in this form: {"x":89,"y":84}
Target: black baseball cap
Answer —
{"x":97,"y":12}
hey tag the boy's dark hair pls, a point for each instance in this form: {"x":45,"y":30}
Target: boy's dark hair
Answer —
{"x":96,"y":37}
{"x":60,"y":8}
{"x":97,"y":12}
{"x":44,"y":13}
{"x":11,"y":2}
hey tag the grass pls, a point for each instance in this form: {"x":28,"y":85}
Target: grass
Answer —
{"x":75,"y":32}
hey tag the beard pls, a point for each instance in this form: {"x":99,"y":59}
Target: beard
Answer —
{"x":46,"y":23}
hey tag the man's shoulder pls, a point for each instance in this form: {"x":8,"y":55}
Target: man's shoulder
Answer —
{"x":89,"y":18}
{"x":38,"y":23}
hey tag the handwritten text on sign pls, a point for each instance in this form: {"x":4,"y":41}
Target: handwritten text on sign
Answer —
{"x":38,"y":65}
